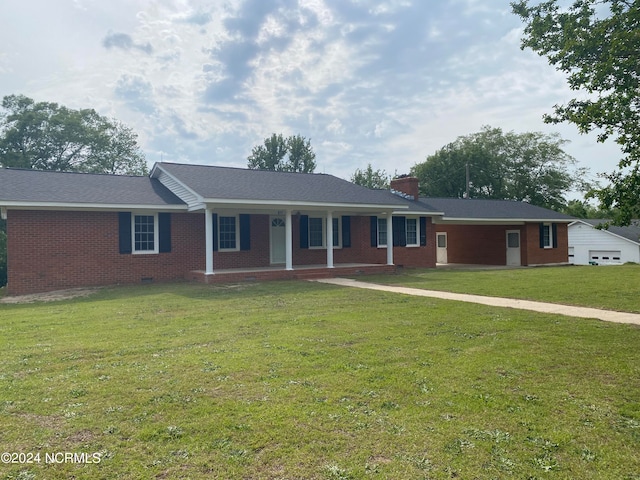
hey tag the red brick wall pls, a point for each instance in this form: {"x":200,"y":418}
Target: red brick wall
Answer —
{"x":55,"y":250}
{"x":534,"y":255}
{"x":51,"y":250}
{"x":486,"y":244}
{"x":477,"y":244}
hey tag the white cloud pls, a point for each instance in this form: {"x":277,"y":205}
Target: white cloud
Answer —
{"x":380,"y":82}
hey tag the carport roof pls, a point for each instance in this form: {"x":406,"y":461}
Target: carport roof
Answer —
{"x":471,"y":209}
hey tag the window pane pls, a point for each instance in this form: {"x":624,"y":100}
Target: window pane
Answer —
{"x":546,"y":229}
{"x":513,"y":240}
{"x":143,"y":235}
{"x":442,"y":241}
{"x":382,"y":231}
{"x":315,"y":232}
{"x":336,"y":233}
{"x":227,"y":232}
{"x":412,"y":231}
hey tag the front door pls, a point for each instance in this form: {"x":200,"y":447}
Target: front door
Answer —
{"x":278,"y":240}
{"x":513,"y":248}
{"x":441,"y":251}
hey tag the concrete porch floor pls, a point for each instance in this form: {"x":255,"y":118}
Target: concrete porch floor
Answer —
{"x":278,"y":272}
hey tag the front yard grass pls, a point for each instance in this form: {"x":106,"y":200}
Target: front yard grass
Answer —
{"x":607,"y":287}
{"x":296,"y":380}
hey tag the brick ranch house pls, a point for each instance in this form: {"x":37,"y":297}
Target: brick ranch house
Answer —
{"x":220,"y":224}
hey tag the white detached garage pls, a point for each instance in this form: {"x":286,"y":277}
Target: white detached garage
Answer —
{"x":589,"y":245}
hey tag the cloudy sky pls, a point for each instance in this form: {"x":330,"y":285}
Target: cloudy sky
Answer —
{"x":386,"y":82}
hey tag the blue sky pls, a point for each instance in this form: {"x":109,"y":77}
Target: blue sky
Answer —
{"x":380,"y":82}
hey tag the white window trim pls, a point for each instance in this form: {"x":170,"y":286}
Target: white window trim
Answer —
{"x":550,"y":235}
{"x":417,"y":220}
{"x":219,"y":232}
{"x":324,"y":233}
{"x":156,"y":233}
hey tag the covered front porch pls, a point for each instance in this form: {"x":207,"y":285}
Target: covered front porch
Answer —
{"x":279,"y":272}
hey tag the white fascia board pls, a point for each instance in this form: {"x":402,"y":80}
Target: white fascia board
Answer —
{"x":267,"y":204}
{"x":420,"y":213}
{"x":503,"y":221}
{"x":177,"y":180}
{"x":88,"y":206}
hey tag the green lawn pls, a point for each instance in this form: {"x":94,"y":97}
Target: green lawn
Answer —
{"x":290,"y":380}
{"x":608,"y":287}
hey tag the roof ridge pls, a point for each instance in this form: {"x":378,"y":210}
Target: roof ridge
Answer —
{"x":244,"y":169}
{"x":16,"y":169}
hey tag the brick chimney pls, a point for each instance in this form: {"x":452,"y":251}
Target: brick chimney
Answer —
{"x":407,"y":185}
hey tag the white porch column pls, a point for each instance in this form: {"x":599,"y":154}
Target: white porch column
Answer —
{"x":208,"y":235}
{"x":389,"y":239}
{"x":329,"y":239}
{"x":288,"y":241}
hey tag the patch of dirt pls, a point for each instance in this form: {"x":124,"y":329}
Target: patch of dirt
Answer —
{"x":50,"y":296}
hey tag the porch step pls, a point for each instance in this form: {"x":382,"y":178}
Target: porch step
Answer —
{"x":302,"y":274}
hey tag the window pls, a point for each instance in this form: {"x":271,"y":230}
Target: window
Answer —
{"x":317,"y":233}
{"x":406,"y":232}
{"x":513,"y":240}
{"x":412,"y":232}
{"x":316,"y":237}
{"x":382,"y":232}
{"x":145,"y":234}
{"x":547,"y":237}
{"x":228,"y":228}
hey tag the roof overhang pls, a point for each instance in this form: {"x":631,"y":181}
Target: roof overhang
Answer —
{"x":111,"y":207}
{"x":498,"y":221}
{"x":270,"y":205}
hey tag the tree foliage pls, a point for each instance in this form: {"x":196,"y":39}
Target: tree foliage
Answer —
{"x":583,"y":209}
{"x":48,"y":136}
{"x":530,"y":167}
{"x":596,"y":43}
{"x":370,"y":178}
{"x":271,"y":155}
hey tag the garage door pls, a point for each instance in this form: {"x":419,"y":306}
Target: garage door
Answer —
{"x":605,"y":257}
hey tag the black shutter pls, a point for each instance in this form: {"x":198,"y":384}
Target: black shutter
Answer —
{"x":399,"y":231}
{"x":124,"y":231}
{"x":346,"y":231}
{"x":423,"y":231}
{"x":164,"y":232}
{"x":215,"y":232}
{"x":304,"y":231}
{"x":542,"y":235}
{"x":245,"y":232}
{"x":374,"y":231}
{"x":554,"y":234}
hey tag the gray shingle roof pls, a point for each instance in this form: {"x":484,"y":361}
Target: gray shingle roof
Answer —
{"x":212,"y":182}
{"x":630,"y":232}
{"x":35,"y":186}
{"x":470,"y":208}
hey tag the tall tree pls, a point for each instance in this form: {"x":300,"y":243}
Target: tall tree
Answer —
{"x":597,"y":45}
{"x":48,"y":136}
{"x":529,"y":167}
{"x":301,"y":155}
{"x":271,"y":155}
{"x":370,"y":178}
